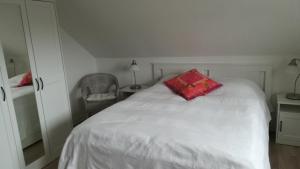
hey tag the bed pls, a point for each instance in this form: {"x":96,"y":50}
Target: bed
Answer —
{"x":156,"y":129}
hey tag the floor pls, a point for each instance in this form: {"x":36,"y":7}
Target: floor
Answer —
{"x":284,"y":157}
{"x":52,"y":165}
{"x":34,"y":152}
{"x":281,"y":157}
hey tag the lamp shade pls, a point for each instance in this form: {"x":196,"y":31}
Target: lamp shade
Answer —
{"x":134,"y":66}
{"x":292,"y":67}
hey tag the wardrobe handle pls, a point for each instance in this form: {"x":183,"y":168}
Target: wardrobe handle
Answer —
{"x":3,"y":93}
{"x":280,"y":126}
{"x":37,"y":85}
{"x":42,"y":83}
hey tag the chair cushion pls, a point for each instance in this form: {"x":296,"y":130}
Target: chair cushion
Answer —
{"x":100,"y":97}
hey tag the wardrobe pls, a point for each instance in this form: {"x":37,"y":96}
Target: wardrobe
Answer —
{"x":35,"y":116}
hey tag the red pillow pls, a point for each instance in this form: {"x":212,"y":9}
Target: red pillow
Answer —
{"x":26,"y":80}
{"x":192,"y":84}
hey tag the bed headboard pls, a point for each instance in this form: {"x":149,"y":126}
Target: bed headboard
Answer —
{"x":260,"y":74}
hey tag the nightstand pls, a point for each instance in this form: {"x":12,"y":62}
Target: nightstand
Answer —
{"x":288,"y":121}
{"x":126,"y":91}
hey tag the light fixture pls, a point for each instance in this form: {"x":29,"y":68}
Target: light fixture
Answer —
{"x":134,"y":68}
{"x":293,"y":68}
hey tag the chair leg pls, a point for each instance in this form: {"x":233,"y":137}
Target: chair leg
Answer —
{"x":87,"y":114}
{"x":86,"y":110}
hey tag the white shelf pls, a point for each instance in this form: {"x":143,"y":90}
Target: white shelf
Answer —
{"x":281,"y":99}
{"x":127,"y":89}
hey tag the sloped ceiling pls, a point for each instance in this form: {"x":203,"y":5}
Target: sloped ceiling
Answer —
{"x":152,"y":28}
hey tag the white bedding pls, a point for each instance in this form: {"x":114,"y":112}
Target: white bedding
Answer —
{"x":18,"y":92}
{"x":155,"y":129}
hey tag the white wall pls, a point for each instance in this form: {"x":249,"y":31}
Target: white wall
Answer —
{"x":78,"y":62}
{"x":282,"y":82}
{"x":132,"y":28}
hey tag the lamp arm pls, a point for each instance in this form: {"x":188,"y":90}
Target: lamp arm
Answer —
{"x":296,"y":80}
{"x":134,"y":76}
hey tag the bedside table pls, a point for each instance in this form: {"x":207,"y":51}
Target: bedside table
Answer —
{"x":126,"y":91}
{"x":288,"y":121}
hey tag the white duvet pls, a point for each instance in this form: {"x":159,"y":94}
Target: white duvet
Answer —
{"x":156,"y":129}
{"x":18,"y":92}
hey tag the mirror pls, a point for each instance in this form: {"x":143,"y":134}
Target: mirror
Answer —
{"x":17,"y":62}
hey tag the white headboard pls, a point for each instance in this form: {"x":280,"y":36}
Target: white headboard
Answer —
{"x":260,"y":74}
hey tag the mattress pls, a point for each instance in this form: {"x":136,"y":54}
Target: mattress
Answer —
{"x":156,"y":129}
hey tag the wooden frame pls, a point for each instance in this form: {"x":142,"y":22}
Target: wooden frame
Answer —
{"x":260,"y":74}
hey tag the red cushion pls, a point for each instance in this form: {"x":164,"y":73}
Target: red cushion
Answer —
{"x":26,"y":80}
{"x":192,"y":84}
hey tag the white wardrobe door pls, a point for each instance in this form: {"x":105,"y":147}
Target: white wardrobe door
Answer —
{"x":6,"y":157}
{"x":46,"y":45}
{"x":57,"y":115}
{"x":8,"y":154}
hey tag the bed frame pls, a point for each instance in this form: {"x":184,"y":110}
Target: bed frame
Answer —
{"x":260,"y":74}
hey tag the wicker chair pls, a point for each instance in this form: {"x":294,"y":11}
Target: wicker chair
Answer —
{"x":99,"y":91}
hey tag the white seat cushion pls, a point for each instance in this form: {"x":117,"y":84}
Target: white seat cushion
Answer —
{"x":101,"y":97}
